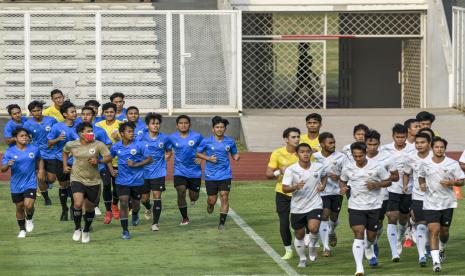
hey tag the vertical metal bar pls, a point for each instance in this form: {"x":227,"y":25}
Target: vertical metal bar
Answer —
{"x":401,"y":78}
{"x":454,"y":54}
{"x":326,"y":24}
{"x":424,"y":49}
{"x":239,"y":60}
{"x":169,"y":62}
{"x":27,"y":60}
{"x":98,"y":56}
{"x":229,"y":51}
{"x":462,"y":55}
{"x":182,"y":51}
{"x":324,"y":74}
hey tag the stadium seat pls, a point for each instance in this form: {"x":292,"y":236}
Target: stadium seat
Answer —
{"x":90,"y":66}
{"x":11,"y":8}
{"x":88,"y":38}
{"x":145,"y":24}
{"x":40,"y":66}
{"x":13,"y":66}
{"x":116,"y":37}
{"x":152,"y":78}
{"x":88,"y":23}
{"x":118,"y":8}
{"x":14,"y":91}
{"x":65,"y":52}
{"x":65,"y":37}
{"x":148,"y":52}
{"x":123,"y":79}
{"x":91,"y":7}
{"x":13,"y":52}
{"x":65,"y":24}
{"x":40,"y":52}
{"x":146,"y":37}
{"x":40,"y":37}
{"x":14,"y":80}
{"x":13,"y":23}
{"x":39,"y":24}
{"x":41,"y":80}
{"x":119,"y":65}
{"x":152,"y":91}
{"x":66,"y":66}
{"x":89,"y":52}
{"x":65,"y":8}
{"x":145,"y":7}
{"x":148,"y":65}
{"x":119,"y":24}
{"x":120,"y":52}
{"x":38,"y":8}
{"x":12,"y":38}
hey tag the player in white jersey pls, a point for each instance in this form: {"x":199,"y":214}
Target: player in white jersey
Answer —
{"x":411,"y":170}
{"x":332,"y":161}
{"x":398,"y":207}
{"x":304,"y":180}
{"x":359,"y":136}
{"x":365,"y":178}
{"x":438,"y":176}
{"x":373,"y":141}
{"x":413,"y":126}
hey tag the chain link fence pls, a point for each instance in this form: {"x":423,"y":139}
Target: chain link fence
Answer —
{"x":458,"y":57}
{"x":411,"y":78}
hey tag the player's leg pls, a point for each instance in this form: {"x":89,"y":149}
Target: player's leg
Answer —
{"x":193,"y":186}
{"x":78,"y":195}
{"x":107,"y":195}
{"x":446,"y":220}
{"x":433,"y":219}
{"x":224,"y":199}
{"x":212,"y":193}
{"x":404,"y":216}
{"x":382,"y":214}
{"x":314,"y":226}
{"x":299,"y":222}
{"x":371,"y":235}
{"x":393,"y":217}
{"x":43,"y":187}
{"x":145,"y":199}
{"x":115,"y":200}
{"x":92,"y":198}
{"x":124,"y":193}
{"x":324,"y":225}
{"x":136,"y":199}
{"x":357,"y":221}
{"x":29,"y":200}
{"x":62,"y":190}
{"x":157,"y":186}
{"x":180,"y":185}
{"x":18,"y":200}
{"x":421,"y":230}
{"x":283,"y":208}
{"x":336,"y":205}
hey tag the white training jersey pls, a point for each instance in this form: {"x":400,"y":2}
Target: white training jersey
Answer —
{"x":462,"y":157}
{"x":346,"y":150}
{"x":387,"y":162}
{"x":332,"y":164}
{"x":308,"y":198}
{"x":412,"y":167}
{"x":360,"y":197}
{"x":398,"y":157}
{"x":438,"y":197}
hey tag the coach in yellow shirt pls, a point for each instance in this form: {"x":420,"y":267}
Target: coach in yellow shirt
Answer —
{"x":313,"y":123}
{"x":54,"y":110}
{"x":280,"y":159}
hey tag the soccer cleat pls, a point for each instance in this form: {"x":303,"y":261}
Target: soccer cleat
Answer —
{"x":369,"y":254}
{"x":422,"y":261}
{"x":48,"y":202}
{"x":408,"y":242}
{"x":77,"y":235}
{"x":312,"y":254}
{"x":437,"y":267}
{"x":359,"y":273}
{"x":125,"y":235}
{"x":185,"y":221}
{"x":85,"y":237}
{"x":220,"y":227}
{"x":64,"y":216}
{"x":288,"y":255}
{"x":399,"y":247}
{"x":396,"y":259}
{"x":442,"y":256}
{"x":302,"y":263}
{"x":373,"y":261}
{"x":155,"y":227}
{"x":210,"y":208}
{"x":115,"y":211}
{"x":108,"y":216}
{"x":98,"y":212}
{"x":332,"y":239}
{"x":135,"y":219}
{"x":327,"y":253}
{"x":147,"y":214}
{"x":29,"y":225}
{"x":22,"y":234}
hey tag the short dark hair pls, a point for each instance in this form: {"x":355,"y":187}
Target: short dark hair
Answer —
{"x":314,"y":116}
{"x":372,"y":134}
{"x":303,"y":145}
{"x":92,"y":103}
{"x":399,"y":129}
{"x":427,"y":129}
{"x":408,"y":123}
{"x":66,"y":105}
{"x":153,"y":116}
{"x":358,"y":146}
{"x":19,"y":130}
{"x":325,"y":135}
{"x":361,"y":127}
{"x":122,"y":127}
{"x":34,"y":104}
{"x":11,"y":107}
{"x":425,"y":116}
{"x":219,"y":120}
{"x":81,"y":126}
{"x":55,"y":91}
{"x":132,"y":107}
{"x":116,"y":95}
{"x":439,"y":139}
{"x":183,"y":117}
{"x":288,"y":131}
{"x":106,"y":106}
{"x":423,"y":135}
{"x":88,"y":108}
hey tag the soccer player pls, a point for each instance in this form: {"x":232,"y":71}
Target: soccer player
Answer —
{"x":359,"y":136}
{"x":438,"y":176}
{"x":426,"y":119}
{"x":365,"y":178}
{"x":95,"y":106}
{"x":110,"y":198}
{"x":413,"y":127}
{"x":187,"y":169}
{"x":23,"y":159}
{"x":280,"y":159}
{"x":412,"y":169}
{"x":157,"y":144}
{"x":313,"y":123}
{"x":61,"y":133}
{"x":332,"y":161}
{"x":216,"y":150}
{"x":85,"y":177}
{"x":16,"y":121}
{"x":400,"y":197}
{"x":132,"y":115}
{"x":132,"y":157}
{"x":54,"y":110}
{"x":39,"y":126}
{"x":118,"y":99}
{"x":304,"y":180}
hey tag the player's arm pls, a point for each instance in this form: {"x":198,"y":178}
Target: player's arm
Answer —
{"x":385,"y":181}
{"x":65,"y":157}
{"x":288,"y":187}
{"x":343,"y":187}
{"x":457,"y":178}
{"x":422,"y":183}
{"x":9,"y":140}
{"x":234,"y":152}
{"x":322,"y":186}
{"x":8,"y":135}
{"x":462,"y":166}
{"x":40,"y":170}
{"x":146,"y":161}
{"x":201,"y":152}
{"x":54,"y":137}
{"x":6,"y":163}
{"x":272,"y":173}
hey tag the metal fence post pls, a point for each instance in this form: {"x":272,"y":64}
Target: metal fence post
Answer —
{"x":169,"y":62}
{"x":27,"y":60}
{"x":98,"y":56}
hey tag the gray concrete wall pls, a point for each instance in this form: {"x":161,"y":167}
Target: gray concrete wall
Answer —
{"x":185,"y":4}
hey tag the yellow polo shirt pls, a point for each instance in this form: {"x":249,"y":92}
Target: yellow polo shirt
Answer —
{"x":281,"y":158}
{"x":52,"y":111}
{"x":109,"y":129}
{"x":314,"y":144}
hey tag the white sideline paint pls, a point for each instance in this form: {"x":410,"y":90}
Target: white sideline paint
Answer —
{"x":259,"y":241}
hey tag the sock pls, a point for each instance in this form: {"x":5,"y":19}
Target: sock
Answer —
{"x":22,"y":224}
{"x":324,"y":234}
{"x":300,"y":248}
{"x":288,"y":248}
{"x":379,"y":232}
{"x":442,"y":245}
{"x":45,"y":195}
{"x":427,"y":237}
{"x":88,"y":218}
{"x":63,"y":194}
{"x":77,"y":219}
{"x":135,"y":213}
{"x":30,"y":213}
{"x":107,"y":206}
{"x":421,"y":239}
{"x":147,"y":205}
{"x":435,"y":256}
{"x":124,"y":223}
{"x":358,"y":250}
{"x":183,"y":211}
{"x":313,"y":240}
{"x":331,"y":226}
{"x":156,"y":210}
{"x":401,"y":228}
{"x":392,"y":238}
{"x":223,"y":218}
{"x":115,"y":201}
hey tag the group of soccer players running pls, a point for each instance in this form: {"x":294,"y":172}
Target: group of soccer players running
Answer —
{"x":410,"y":181}
{"x":126,"y":154}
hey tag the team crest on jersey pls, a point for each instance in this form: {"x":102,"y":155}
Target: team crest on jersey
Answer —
{"x":48,"y":128}
{"x":35,"y":131}
{"x":31,"y":155}
{"x":213,"y":148}
{"x":227,"y":148}
{"x":133,"y":151}
{"x":315,"y":175}
{"x":125,"y":120}
{"x":15,"y":157}
{"x":160,"y":145}
{"x":190,"y":143}
{"x":92,"y":151}
{"x":140,"y":132}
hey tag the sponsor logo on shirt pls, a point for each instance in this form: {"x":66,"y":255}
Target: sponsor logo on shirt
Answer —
{"x":160,"y":145}
{"x":227,"y":148}
{"x":92,"y":151}
{"x":190,"y":143}
{"x":31,"y":155}
{"x":48,"y":128}
{"x":133,"y":151}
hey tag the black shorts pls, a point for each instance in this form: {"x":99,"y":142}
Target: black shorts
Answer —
{"x":383,"y":209}
{"x":367,"y":218}
{"x":134,"y":192}
{"x":399,"y":202}
{"x":18,"y":197}
{"x":154,"y":184}
{"x":283,"y":203}
{"x":50,"y":165}
{"x":192,"y":184}
{"x":299,"y":221}
{"x":444,"y":217}
{"x":418,"y":212}
{"x":91,"y":193}
{"x":61,"y":175}
{"x":215,"y":186}
{"x":332,"y":202}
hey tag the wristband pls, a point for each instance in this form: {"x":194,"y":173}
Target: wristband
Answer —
{"x":276,"y":173}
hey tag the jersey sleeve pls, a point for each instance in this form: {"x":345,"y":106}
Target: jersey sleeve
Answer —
{"x":274,"y":162}
{"x":287,"y":178}
{"x":344,"y":174}
{"x":143,"y":150}
{"x":37,"y":154}
{"x":408,"y":167}
{"x":113,"y":151}
{"x":6,"y":158}
{"x":383,"y":174}
{"x":462,"y":158}
{"x":233,"y":149}
{"x":202,"y":146}
{"x":54,"y":133}
{"x":168,"y":144}
{"x":8,"y":131}
{"x":457,"y":171}
{"x":103,"y":150}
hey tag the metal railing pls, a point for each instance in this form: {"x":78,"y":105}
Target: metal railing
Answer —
{"x":458,"y":57}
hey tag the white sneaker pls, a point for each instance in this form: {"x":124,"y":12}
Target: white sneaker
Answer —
{"x":85,"y":237}
{"x":155,"y":227}
{"x":147,"y":214}
{"x":312,"y":253}
{"x":98,"y":212}
{"x":77,"y":235}
{"x":29,"y":225}
{"x":22,"y":234}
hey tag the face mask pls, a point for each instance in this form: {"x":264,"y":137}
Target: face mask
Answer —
{"x":89,"y":137}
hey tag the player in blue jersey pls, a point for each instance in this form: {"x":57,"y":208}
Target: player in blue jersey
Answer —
{"x":61,"y":133}
{"x":132,"y":116}
{"x":94,"y":105}
{"x":216,"y":150}
{"x":23,"y":159}
{"x":39,"y":126}
{"x":187,"y":169}
{"x":17,"y":120}
{"x":118,"y":99}
{"x":132,"y":157}
{"x":157,"y":145}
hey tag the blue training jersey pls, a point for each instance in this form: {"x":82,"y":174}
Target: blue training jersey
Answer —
{"x":140,"y":129}
{"x":96,"y":120}
{"x":70,"y":135}
{"x":11,"y":126}
{"x":220,"y":170}
{"x":39,"y":133}
{"x":122,"y":116}
{"x":185,"y":149}
{"x":136,"y":152}
{"x":155,"y":148}
{"x":23,"y":171}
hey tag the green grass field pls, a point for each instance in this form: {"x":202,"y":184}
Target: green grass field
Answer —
{"x":196,"y":249}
